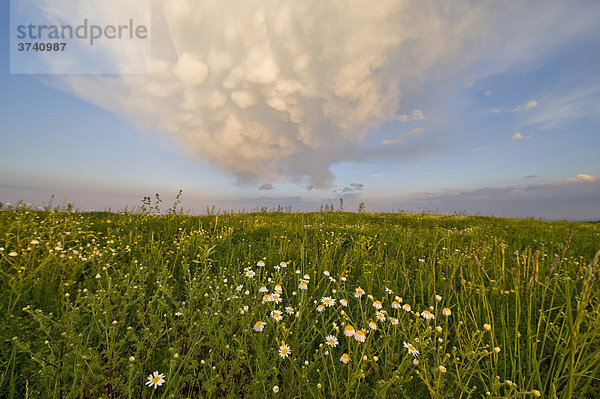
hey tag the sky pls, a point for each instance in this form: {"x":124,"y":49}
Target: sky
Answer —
{"x":477,"y":107}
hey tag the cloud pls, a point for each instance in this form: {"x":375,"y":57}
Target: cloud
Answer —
{"x":265,"y":186}
{"x":559,"y":200}
{"x":517,"y":136}
{"x":257,"y":88}
{"x":400,"y":138}
{"x":528,"y":105}
{"x":357,"y":186}
{"x":518,"y":108}
{"x":582,"y":178}
{"x":416,"y":115}
{"x":566,"y":105}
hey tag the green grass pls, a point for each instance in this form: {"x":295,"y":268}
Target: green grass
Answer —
{"x":92,"y":303}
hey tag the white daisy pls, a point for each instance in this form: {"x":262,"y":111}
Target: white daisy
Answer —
{"x":155,"y":380}
{"x":331,"y":341}
{"x":259,"y":326}
{"x":411,"y":349}
{"x":284,"y":350}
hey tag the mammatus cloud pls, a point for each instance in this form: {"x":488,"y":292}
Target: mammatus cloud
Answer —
{"x":258,"y":88}
{"x":265,"y":186}
{"x":582,"y":178}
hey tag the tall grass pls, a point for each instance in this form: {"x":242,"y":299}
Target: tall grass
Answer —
{"x":92,"y":303}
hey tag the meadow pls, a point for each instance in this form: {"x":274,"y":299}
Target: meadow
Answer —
{"x":296,"y":305}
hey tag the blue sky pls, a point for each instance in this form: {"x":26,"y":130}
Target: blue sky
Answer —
{"x":480,"y":107}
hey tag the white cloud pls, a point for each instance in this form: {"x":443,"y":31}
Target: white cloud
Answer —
{"x":257,"y":88}
{"x":518,"y":108}
{"x":400,"y":138}
{"x":517,"y":136}
{"x":416,"y":115}
{"x":528,"y":105}
{"x":582,"y":178}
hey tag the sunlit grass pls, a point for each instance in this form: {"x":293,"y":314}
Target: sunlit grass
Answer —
{"x":328,"y":304}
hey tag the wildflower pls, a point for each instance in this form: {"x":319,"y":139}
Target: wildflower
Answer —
{"x":263,"y":289}
{"x":398,"y":299}
{"x":297,"y":272}
{"x":276,"y":298}
{"x":320,"y":308}
{"x":302,"y":285}
{"x":306,"y":277}
{"x":155,"y":380}
{"x":131,"y":359}
{"x":360,"y":335}
{"x":438,"y":298}
{"x":411,"y":349}
{"x":282,"y":264}
{"x":394,"y":321}
{"x":260,"y":263}
{"x":377,"y":305}
{"x":284,"y":350}
{"x":372,"y":325}
{"x":276,"y":314}
{"x":289,"y":310}
{"x":34,"y":242}
{"x":370,"y":297}
{"x":406,"y":307}
{"x":446,"y":312}
{"x":487,"y":327}
{"x":536,"y":393}
{"x":416,"y":362}
{"x":438,"y":329}
{"x":345,"y":358}
{"x":427,"y":315}
{"x":250,"y":273}
{"x":259,"y":326}
{"x":275,"y":389}
{"x":380,"y":316}
{"x":335,"y":326}
{"x":177,"y":314}
{"x":388,"y":291}
{"x":278,"y":288}
{"x":328,"y":301}
{"x":496,"y":350}
{"x":331,"y":341}
{"x":343,"y":302}
{"x":395,"y":305}
{"x":359,"y":292}
{"x":13,"y":253}
{"x":349,"y":331}
{"x":326,"y":272}
{"x":442,"y":369}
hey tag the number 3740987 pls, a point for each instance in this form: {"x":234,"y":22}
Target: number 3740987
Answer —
{"x":41,"y":46}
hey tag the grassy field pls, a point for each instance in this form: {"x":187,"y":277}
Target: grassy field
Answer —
{"x":354,"y":305}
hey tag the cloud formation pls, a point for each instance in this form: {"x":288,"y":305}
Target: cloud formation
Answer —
{"x":257,"y":88}
{"x":582,"y":178}
{"x":400,"y":138}
{"x":265,"y":186}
